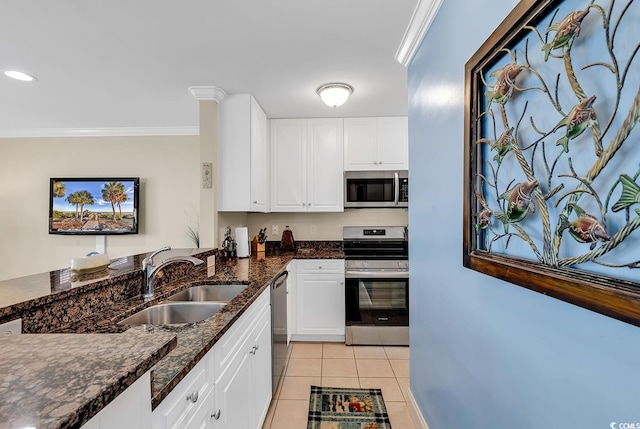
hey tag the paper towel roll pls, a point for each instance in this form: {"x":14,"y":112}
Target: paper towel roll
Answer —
{"x":242,"y":240}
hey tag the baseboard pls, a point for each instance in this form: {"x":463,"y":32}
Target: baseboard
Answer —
{"x":322,"y":338}
{"x":418,"y":419}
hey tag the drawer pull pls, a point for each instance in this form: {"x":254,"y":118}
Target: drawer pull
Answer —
{"x":216,"y":415}
{"x":193,"y":397}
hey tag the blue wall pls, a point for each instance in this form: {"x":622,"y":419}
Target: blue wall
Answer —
{"x":486,"y":353}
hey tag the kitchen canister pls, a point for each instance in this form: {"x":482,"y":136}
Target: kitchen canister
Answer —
{"x":287,"y":242}
{"x":242,"y":240}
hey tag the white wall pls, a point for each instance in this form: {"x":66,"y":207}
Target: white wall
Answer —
{"x":328,"y":226}
{"x":168,"y":168}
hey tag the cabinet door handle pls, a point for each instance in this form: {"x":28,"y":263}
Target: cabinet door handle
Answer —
{"x":216,"y":415}
{"x":193,"y":397}
{"x":253,"y":350}
{"x":255,"y":202}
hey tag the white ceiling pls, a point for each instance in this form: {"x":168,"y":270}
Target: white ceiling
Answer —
{"x":129,"y":63}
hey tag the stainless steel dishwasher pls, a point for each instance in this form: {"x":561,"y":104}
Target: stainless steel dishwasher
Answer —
{"x":279,"y":335}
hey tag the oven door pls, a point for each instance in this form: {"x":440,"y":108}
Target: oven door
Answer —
{"x":377,"y":298}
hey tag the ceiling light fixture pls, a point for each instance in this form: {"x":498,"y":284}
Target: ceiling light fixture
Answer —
{"x":18,"y":75}
{"x":334,"y":94}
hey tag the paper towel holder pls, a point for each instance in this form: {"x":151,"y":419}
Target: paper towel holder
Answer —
{"x":242,"y":242}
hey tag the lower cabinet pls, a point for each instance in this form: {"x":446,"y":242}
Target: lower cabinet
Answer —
{"x":231,"y":385}
{"x":233,"y":395}
{"x":319,"y":291}
{"x":192,"y":397}
{"x":202,"y":417}
{"x":243,"y":390}
{"x":261,"y":369}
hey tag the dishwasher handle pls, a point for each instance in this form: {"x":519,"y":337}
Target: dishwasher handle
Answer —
{"x":280,"y":279}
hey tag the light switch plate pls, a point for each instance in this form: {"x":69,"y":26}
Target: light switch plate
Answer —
{"x":207,"y":175}
{"x":275,"y":230}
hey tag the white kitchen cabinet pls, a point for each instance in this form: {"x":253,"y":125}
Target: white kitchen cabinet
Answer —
{"x":320,"y":300}
{"x":306,"y":165}
{"x":203,"y":417}
{"x":187,"y":399}
{"x":243,"y":384}
{"x":243,"y":174}
{"x":233,"y":405}
{"x":230,"y":387}
{"x":288,"y":169}
{"x":261,"y":370}
{"x":380,"y":143}
{"x":130,"y":409}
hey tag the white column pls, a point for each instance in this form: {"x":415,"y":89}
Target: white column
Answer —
{"x":208,"y":98}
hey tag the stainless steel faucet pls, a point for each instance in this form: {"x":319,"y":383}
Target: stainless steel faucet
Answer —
{"x":151,"y":270}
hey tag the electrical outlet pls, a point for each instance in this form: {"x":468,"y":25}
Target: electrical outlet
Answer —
{"x":312,"y":229}
{"x":275,"y":230}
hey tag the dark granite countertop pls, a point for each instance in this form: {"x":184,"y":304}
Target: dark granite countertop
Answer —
{"x":45,"y":288}
{"x":61,"y":381}
{"x":192,"y":341}
{"x":195,"y":340}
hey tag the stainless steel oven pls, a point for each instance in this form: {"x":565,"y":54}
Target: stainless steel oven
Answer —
{"x":376,"y":189}
{"x":376,"y":285}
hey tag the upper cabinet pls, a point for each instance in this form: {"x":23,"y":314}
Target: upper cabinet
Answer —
{"x":376,"y":143}
{"x":243,"y":158}
{"x":306,"y":165}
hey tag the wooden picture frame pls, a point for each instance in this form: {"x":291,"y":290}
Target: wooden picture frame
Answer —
{"x":510,"y":141}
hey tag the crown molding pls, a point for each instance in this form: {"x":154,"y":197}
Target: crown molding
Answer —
{"x":99,"y":132}
{"x":208,"y":93}
{"x":420,"y":22}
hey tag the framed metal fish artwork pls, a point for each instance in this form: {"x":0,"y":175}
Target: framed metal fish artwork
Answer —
{"x":552,"y":153}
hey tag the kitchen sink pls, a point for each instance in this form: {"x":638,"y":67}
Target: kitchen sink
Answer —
{"x":174,"y":313}
{"x":221,"y":293}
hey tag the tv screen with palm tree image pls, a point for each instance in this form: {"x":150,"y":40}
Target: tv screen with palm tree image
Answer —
{"x":95,"y":206}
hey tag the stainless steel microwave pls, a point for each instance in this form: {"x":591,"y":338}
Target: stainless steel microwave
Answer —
{"x":376,"y":189}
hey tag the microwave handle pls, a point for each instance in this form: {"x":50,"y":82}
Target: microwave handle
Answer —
{"x":396,"y":187}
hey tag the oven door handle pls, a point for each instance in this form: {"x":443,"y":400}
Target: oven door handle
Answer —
{"x":383,"y":274}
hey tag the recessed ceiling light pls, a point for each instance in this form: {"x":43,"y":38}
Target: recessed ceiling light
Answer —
{"x":18,"y":75}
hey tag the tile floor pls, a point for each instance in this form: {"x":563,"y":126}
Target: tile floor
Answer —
{"x":338,"y":365}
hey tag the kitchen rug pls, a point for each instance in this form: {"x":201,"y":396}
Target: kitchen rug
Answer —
{"x":347,"y":408}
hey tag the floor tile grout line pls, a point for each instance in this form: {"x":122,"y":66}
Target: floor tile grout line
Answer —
{"x":395,"y":377}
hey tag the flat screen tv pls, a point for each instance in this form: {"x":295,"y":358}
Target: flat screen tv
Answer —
{"x":94,"y":206}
